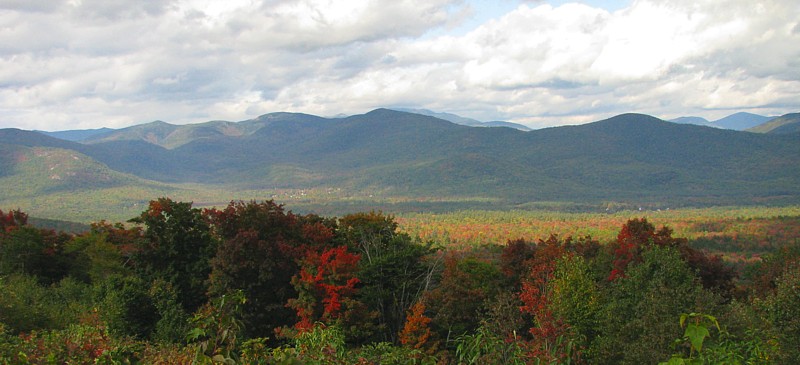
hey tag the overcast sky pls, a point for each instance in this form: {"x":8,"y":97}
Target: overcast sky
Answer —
{"x":80,"y":64}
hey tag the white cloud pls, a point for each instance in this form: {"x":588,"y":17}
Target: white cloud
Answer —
{"x":89,"y":63}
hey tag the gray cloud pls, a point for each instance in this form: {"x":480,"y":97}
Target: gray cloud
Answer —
{"x":28,"y":6}
{"x":115,"y":10}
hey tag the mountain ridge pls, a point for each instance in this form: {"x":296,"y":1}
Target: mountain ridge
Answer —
{"x":629,"y":157}
{"x":789,"y":123}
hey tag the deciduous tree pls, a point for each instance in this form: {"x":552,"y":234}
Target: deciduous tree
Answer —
{"x":178,"y":248}
{"x":393,"y":270}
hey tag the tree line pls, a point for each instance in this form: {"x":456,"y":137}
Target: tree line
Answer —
{"x":253,"y":283}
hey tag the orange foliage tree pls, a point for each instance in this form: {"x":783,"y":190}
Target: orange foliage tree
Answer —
{"x":416,"y":333}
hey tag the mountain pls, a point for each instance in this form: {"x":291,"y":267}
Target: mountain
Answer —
{"x":630,"y":157}
{"x":13,"y":136}
{"x":691,"y":120}
{"x":171,"y":136}
{"x":63,"y":183}
{"x":740,"y":121}
{"x":32,"y":171}
{"x":789,"y":123}
{"x":499,"y":123}
{"x":77,"y":135}
{"x":463,"y":121}
{"x":38,"y":170}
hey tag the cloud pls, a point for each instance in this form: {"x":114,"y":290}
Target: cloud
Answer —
{"x":646,"y":58}
{"x":90,"y":63}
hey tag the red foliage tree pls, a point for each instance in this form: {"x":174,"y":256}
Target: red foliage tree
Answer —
{"x":535,"y":297}
{"x":634,"y":235}
{"x":12,"y":220}
{"x":637,"y":234}
{"x":325,"y":284}
{"x":260,"y":245}
{"x":513,"y":257}
{"x":262,"y":249}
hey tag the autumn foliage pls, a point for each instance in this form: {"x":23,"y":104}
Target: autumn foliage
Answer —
{"x":12,"y":219}
{"x":325,"y":283}
{"x":253,"y":282}
{"x":416,"y":333}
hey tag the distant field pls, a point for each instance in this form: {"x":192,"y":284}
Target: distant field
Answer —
{"x":738,"y":233}
{"x":120,"y":203}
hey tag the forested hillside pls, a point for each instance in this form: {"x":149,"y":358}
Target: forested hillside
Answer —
{"x":252,"y":283}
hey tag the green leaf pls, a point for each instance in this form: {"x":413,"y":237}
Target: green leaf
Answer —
{"x":696,"y":334}
{"x":195,"y":333}
{"x":684,"y":316}
{"x":674,"y":360}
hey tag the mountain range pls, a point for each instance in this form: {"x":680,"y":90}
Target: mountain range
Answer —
{"x":738,"y":121}
{"x":630,"y":158}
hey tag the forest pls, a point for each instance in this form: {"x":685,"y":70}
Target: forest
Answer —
{"x":254,"y":283}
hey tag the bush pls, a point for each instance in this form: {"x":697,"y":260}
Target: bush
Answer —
{"x":29,"y":306}
{"x":126,"y":307}
{"x":78,"y":344}
{"x":783,"y":312}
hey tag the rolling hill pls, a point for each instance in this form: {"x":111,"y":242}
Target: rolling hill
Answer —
{"x":631,"y":157}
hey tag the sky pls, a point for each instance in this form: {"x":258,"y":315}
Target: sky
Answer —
{"x":80,"y":64}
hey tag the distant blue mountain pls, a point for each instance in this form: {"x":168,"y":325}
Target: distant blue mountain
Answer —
{"x":453,"y":118}
{"x":691,"y":120}
{"x":77,"y":135}
{"x":741,"y":121}
{"x":738,"y":121}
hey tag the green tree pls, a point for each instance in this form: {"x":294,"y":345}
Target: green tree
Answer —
{"x":36,"y":252}
{"x":468,"y":284}
{"x":126,"y":307}
{"x":216,"y":329}
{"x":637,"y":325}
{"x":638,"y":234}
{"x":95,"y":258}
{"x":575,"y":298}
{"x":178,"y":248}
{"x":26,"y":305}
{"x":783,"y":312}
{"x":393,"y":269}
